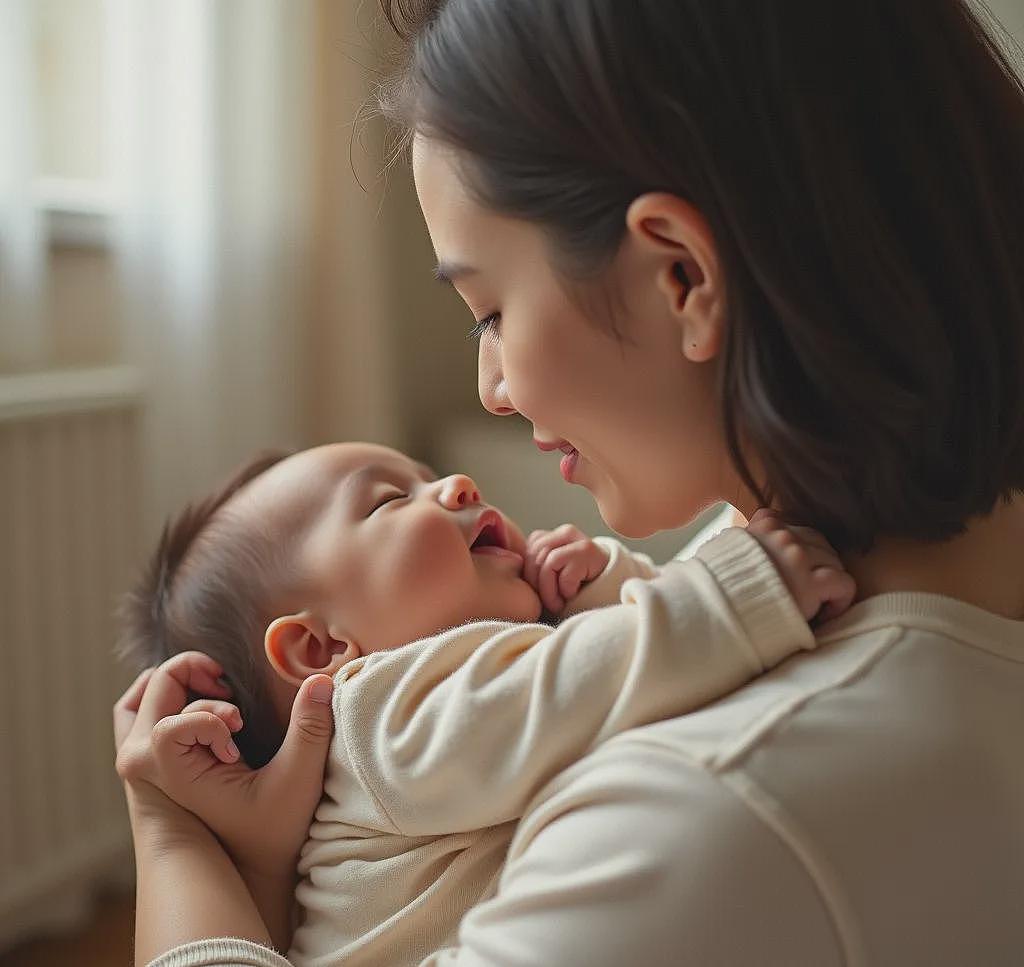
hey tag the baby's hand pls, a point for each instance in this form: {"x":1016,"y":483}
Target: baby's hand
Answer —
{"x":185,"y":750}
{"x":820,"y":585}
{"x":559,"y":562}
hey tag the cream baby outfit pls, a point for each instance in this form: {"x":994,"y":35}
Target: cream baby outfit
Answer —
{"x":440,"y":745}
{"x":861,"y":805}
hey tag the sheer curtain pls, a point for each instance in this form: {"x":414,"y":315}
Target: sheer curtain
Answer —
{"x":22,"y":249}
{"x":212,"y":150}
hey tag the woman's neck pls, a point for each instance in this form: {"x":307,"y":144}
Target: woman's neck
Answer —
{"x":983,"y":566}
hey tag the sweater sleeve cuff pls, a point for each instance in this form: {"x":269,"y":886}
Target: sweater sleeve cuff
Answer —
{"x":762,"y":602}
{"x":222,"y":952}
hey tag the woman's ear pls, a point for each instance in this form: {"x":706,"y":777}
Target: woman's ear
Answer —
{"x":680,"y":249}
{"x":299,"y":645}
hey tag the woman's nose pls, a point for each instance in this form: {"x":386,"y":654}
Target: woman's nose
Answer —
{"x":491,"y":380}
{"x":458,"y":490}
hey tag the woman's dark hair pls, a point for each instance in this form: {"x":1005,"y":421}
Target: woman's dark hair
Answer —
{"x":861,"y":167}
{"x":210,"y":586}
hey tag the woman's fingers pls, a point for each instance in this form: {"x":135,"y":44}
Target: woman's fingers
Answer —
{"x":293,"y":780}
{"x":127,"y":706}
{"x":168,"y":688}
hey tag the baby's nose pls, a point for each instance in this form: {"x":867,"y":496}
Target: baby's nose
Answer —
{"x":458,"y":490}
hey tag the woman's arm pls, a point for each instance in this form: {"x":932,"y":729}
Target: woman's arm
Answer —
{"x":187,"y":888}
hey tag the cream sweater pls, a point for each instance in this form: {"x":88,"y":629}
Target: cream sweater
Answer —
{"x":441,"y":744}
{"x":862,"y":804}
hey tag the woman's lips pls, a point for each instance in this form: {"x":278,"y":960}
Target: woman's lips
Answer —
{"x":568,"y":463}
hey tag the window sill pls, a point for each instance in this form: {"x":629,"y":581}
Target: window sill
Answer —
{"x":76,"y":213}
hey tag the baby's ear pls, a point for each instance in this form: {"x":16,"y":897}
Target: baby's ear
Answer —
{"x":299,"y":645}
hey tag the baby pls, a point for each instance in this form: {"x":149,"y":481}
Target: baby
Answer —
{"x":453,"y":706}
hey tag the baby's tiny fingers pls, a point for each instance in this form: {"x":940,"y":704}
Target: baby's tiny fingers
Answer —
{"x":836,"y":589}
{"x":225,"y":711}
{"x":531,"y":569}
{"x":547,"y":588}
{"x":561,"y":535}
{"x":179,"y":733}
{"x":570,"y":577}
{"x":540,"y":556}
{"x":811,"y":537}
{"x":763,"y":514}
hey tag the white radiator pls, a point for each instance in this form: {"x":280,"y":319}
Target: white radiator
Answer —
{"x":69,"y":516}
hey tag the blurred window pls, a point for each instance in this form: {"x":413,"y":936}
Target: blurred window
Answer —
{"x":72,"y":181}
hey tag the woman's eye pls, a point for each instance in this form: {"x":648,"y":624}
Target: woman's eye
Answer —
{"x":387,"y":498}
{"x":489,"y":324}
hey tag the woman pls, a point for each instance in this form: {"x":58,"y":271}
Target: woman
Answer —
{"x":765,"y":252}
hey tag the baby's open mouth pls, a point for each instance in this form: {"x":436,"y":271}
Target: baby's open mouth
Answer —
{"x":490,"y":536}
{"x":490,"y":531}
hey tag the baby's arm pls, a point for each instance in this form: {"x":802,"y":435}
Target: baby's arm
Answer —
{"x":459,"y":732}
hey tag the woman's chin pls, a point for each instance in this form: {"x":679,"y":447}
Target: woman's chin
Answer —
{"x":624,"y":521}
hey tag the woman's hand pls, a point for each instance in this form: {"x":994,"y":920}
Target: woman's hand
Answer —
{"x":157,"y":820}
{"x":167,"y":748}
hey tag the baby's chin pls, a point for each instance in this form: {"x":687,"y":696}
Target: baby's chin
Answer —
{"x":520,"y":603}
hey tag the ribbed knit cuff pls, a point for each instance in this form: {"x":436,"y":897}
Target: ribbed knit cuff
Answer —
{"x":222,"y":952}
{"x":760,"y":598}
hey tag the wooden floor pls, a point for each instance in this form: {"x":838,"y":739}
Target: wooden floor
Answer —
{"x":105,"y":942}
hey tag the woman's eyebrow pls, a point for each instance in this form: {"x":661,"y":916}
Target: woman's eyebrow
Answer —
{"x":451,"y":272}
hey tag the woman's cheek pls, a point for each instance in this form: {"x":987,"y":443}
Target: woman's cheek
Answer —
{"x":527,"y":370}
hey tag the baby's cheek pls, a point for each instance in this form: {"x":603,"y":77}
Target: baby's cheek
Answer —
{"x":437,"y":551}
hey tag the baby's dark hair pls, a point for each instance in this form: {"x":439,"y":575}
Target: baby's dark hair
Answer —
{"x":208,"y":588}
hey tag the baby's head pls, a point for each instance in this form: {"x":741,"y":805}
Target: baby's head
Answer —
{"x":302,"y":562}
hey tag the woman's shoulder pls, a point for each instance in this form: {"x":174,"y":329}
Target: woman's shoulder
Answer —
{"x":897,"y":658}
{"x":843,"y":792}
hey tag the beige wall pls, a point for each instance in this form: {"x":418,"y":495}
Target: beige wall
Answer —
{"x":376,"y":302}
